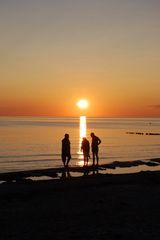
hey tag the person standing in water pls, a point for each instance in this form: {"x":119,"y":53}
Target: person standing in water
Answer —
{"x":66,"y":152}
{"x":86,"y":149}
{"x":94,"y":145}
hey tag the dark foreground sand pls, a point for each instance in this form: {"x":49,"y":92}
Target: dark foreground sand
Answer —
{"x":89,"y":207}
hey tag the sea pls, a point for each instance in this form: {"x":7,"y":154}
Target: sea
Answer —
{"x":29,"y":143}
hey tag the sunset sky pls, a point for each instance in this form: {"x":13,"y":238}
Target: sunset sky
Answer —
{"x":55,"y":52}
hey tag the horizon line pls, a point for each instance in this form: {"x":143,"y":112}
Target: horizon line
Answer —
{"x":56,"y":116}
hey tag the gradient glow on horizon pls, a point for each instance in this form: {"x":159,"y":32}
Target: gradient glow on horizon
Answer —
{"x":55,"y":52}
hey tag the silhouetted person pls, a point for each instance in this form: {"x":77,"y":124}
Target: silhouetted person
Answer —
{"x":86,"y":149}
{"x":66,"y":153}
{"x":94,"y":145}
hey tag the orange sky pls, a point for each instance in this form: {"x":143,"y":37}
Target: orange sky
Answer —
{"x":54,"y":53}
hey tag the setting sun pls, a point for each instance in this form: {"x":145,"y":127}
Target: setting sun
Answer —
{"x":83,"y":104}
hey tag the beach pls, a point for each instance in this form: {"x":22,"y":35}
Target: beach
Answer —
{"x":39,"y":199}
{"x":94,"y":206}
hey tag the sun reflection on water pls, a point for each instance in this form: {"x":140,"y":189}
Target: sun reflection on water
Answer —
{"x":82,"y":127}
{"x":80,"y":163}
{"x":82,"y":133}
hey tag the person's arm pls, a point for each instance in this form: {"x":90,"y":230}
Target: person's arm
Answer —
{"x":81,"y":146}
{"x":99,"y":141}
{"x":88,"y":150}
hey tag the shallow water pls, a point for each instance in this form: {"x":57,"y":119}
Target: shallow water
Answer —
{"x":35,"y":143}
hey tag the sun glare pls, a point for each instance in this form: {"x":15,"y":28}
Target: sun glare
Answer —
{"x":82,"y":127}
{"x":82,"y":131}
{"x":83,"y":104}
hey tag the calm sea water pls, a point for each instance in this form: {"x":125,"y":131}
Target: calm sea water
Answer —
{"x":35,"y":143}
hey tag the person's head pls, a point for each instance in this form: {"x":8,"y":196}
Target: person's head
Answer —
{"x":92,"y":134}
{"x":66,"y":135}
{"x":84,"y":138}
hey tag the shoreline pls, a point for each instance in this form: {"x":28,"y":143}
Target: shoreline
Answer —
{"x":54,"y":173}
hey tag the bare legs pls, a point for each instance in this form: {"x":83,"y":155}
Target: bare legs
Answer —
{"x":86,"y":160}
{"x":95,"y":157}
{"x":65,"y":160}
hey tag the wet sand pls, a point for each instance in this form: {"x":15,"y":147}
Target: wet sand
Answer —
{"x":22,"y":176}
{"x":94,"y":206}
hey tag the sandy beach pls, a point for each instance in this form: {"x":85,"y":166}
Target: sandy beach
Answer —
{"x":95,"y":206}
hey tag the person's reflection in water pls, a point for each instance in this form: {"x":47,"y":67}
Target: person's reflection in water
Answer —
{"x":85,"y":172}
{"x":66,"y":153}
{"x":66,"y":174}
{"x":95,"y":171}
{"x":91,"y":171}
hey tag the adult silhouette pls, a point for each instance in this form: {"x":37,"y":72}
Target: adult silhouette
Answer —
{"x":66,"y":152}
{"x":86,"y":149}
{"x":94,"y":145}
